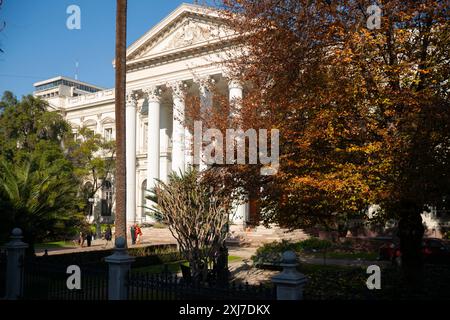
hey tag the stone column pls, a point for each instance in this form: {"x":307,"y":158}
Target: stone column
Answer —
{"x":178,"y":145}
{"x":131,"y":103}
{"x":206,"y":101}
{"x":119,"y":265}
{"x":188,"y":149}
{"x":235,"y":93}
{"x":153,"y":136}
{"x":14,"y":268}
{"x":289,"y":282}
{"x":165,"y":121}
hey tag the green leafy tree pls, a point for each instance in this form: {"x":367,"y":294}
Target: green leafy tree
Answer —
{"x":26,"y":123}
{"x":8,"y":99}
{"x":93,"y":158}
{"x":38,"y":187}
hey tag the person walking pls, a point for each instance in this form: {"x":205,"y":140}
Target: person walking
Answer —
{"x":138,"y":232}
{"x":81,"y":240}
{"x":89,"y":238}
{"x":133,"y":234}
{"x":108,"y":236}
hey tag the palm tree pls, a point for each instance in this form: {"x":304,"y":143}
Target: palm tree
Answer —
{"x":121,"y":39}
{"x":39,"y":196}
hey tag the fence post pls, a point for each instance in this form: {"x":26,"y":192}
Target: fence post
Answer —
{"x":119,"y":264}
{"x":289,"y":282}
{"x":14,"y":267}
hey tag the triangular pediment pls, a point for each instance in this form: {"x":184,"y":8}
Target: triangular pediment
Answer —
{"x":189,"y":26}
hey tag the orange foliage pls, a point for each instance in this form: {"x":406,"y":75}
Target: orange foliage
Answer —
{"x":363,"y":114}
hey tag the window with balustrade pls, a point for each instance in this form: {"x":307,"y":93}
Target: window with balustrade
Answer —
{"x":108,"y":134}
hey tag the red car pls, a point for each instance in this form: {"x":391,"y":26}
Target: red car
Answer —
{"x":434,"y":251}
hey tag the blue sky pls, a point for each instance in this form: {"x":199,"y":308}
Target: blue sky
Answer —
{"x":37,"y":44}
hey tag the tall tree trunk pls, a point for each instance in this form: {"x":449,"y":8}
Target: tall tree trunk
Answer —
{"x":121,"y":38}
{"x":410,"y":232}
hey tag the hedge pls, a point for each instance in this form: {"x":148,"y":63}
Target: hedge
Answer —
{"x":149,"y":255}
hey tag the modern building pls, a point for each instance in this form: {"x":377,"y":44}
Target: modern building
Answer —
{"x":181,"y":55}
{"x":56,"y":90}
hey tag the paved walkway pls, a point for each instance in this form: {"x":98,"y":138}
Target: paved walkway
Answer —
{"x":151,"y":236}
{"x":97,"y":245}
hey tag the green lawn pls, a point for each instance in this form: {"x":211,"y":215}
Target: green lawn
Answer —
{"x":55,"y":245}
{"x":234,"y":258}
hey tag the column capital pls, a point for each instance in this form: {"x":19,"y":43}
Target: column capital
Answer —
{"x":235,"y":84}
{"x":131,"y":99}
{"x":205,"y":82}
{"x":152,"y":93}
{"x":178,"y":88}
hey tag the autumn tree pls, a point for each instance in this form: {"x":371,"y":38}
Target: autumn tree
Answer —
{"x":362,"y":108}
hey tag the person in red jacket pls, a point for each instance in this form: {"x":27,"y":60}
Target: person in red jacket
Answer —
{"x":138,"y":233}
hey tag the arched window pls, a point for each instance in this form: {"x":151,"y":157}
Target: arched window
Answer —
{"x":107,"y":198}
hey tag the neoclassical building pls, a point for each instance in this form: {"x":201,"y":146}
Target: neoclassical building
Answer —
{"x":181,"y":55}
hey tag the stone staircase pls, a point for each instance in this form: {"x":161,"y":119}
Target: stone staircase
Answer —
{"x":254,"y":237}
{"x":157,"y":235}
{"x":260,"y":235}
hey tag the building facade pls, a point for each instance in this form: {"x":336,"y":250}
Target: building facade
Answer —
{"x":182,"y":55}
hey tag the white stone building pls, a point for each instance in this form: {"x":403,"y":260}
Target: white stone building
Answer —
{"x":182,"y":52}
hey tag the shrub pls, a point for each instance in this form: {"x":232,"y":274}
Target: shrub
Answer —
{"x":314,"y":244}
{"x":271,"y":253}
{"x":144,"y":256}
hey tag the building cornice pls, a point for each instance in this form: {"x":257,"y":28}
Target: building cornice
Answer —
{"x":178,"y":55}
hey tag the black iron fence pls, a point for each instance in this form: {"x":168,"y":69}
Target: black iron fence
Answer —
{"x":166,"y":286}
{"x":47,"y":281}
{"x":2,"y":273}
